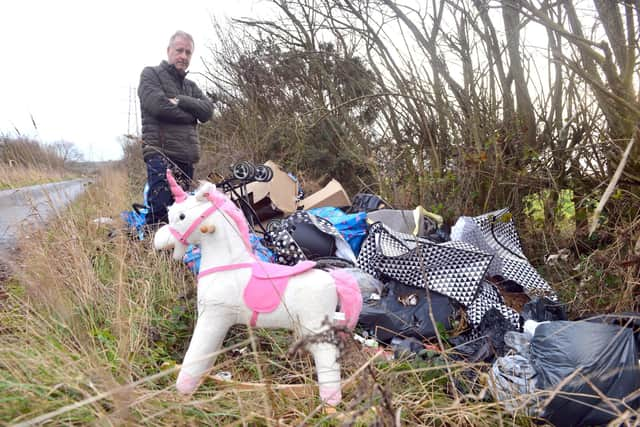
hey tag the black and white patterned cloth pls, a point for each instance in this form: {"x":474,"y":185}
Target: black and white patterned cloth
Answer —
{"x":489,"y":297}
{"x":455,"y":269}
{"x":494,"y":233}
{"x":288,"y":252}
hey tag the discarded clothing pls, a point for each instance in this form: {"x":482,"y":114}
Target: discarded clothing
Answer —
{"x":406,"y":311}
{"x":512,"y":381}
{"x":486,"y":342}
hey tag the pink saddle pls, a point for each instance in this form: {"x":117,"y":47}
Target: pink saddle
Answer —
{"x":267,"y":285}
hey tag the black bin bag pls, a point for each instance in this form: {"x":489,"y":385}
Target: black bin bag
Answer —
{"x":585,"y":357}
{"x":404,"y":311}
{"x":542,"y":309}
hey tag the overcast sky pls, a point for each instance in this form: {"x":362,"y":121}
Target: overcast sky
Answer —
{"x":70,"y":64}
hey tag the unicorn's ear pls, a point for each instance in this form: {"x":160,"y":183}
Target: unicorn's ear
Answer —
{"x":206,"y":188}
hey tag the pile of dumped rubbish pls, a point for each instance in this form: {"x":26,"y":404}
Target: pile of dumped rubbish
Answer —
{"x":471,"y":285}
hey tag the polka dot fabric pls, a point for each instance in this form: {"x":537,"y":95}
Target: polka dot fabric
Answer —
{"x":286,"y":249}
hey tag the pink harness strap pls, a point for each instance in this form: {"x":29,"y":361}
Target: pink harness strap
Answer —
{"x":212,"y":270}
{"x":267,"y":284}
{"x":182,"y":238}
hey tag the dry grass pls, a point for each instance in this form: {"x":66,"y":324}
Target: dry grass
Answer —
{"x":22,"y":176}
{"x":26,"y":162}
{"x":94,"y":324}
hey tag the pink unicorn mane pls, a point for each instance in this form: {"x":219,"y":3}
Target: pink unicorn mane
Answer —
{"x":225,"y":204}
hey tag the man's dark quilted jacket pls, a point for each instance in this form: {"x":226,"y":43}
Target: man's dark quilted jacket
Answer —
{"x":167,"y":128}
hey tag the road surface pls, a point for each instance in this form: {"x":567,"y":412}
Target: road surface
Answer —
{"x":32,"y":205}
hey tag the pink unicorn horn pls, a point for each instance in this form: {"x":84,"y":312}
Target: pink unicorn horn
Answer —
{"x":178,"y":193}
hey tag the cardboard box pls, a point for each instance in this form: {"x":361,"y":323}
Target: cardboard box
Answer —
{"x":331,"y":195}
{"x":280,"y":192}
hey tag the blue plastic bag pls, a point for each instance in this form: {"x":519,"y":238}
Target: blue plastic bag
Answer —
{"x":259,"y":249}
{"x":192,"y":258}
{"x":192,"y":255}
{"x":353,"y":227}
{"x":137,"y":218}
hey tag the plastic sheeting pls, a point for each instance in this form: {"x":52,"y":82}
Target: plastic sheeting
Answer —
{"x":405,"y":221}
{"x":586,"y":360}
{"x":192,"y":255}
{"x":136,"y":219}
{"x":370,"y":287}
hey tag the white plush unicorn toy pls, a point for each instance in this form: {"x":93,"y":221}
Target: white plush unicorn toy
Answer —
{"x":235,"y":288}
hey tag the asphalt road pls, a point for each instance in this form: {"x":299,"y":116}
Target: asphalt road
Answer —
{"x":33,"y":206}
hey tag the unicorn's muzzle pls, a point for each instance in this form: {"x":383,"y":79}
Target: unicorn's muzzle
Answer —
{"x":210,"y":228}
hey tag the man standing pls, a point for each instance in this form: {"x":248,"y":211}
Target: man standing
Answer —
{"x":171,"y":107}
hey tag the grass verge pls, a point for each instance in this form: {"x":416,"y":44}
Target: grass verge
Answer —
{"x":93,"y":325}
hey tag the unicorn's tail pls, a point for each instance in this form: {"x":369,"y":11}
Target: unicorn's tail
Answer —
{"x":349,"y":296}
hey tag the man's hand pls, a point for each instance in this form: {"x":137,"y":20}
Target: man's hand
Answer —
{"x":174,"y":101}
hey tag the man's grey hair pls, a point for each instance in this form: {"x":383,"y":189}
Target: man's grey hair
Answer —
{"x":181,"y":34}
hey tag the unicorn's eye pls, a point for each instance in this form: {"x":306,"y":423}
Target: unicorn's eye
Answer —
{"x":182,"y":216}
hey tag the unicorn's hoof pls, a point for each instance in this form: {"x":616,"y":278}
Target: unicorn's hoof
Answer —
{"x":330,"y":395}
{"x":186,"y":384}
